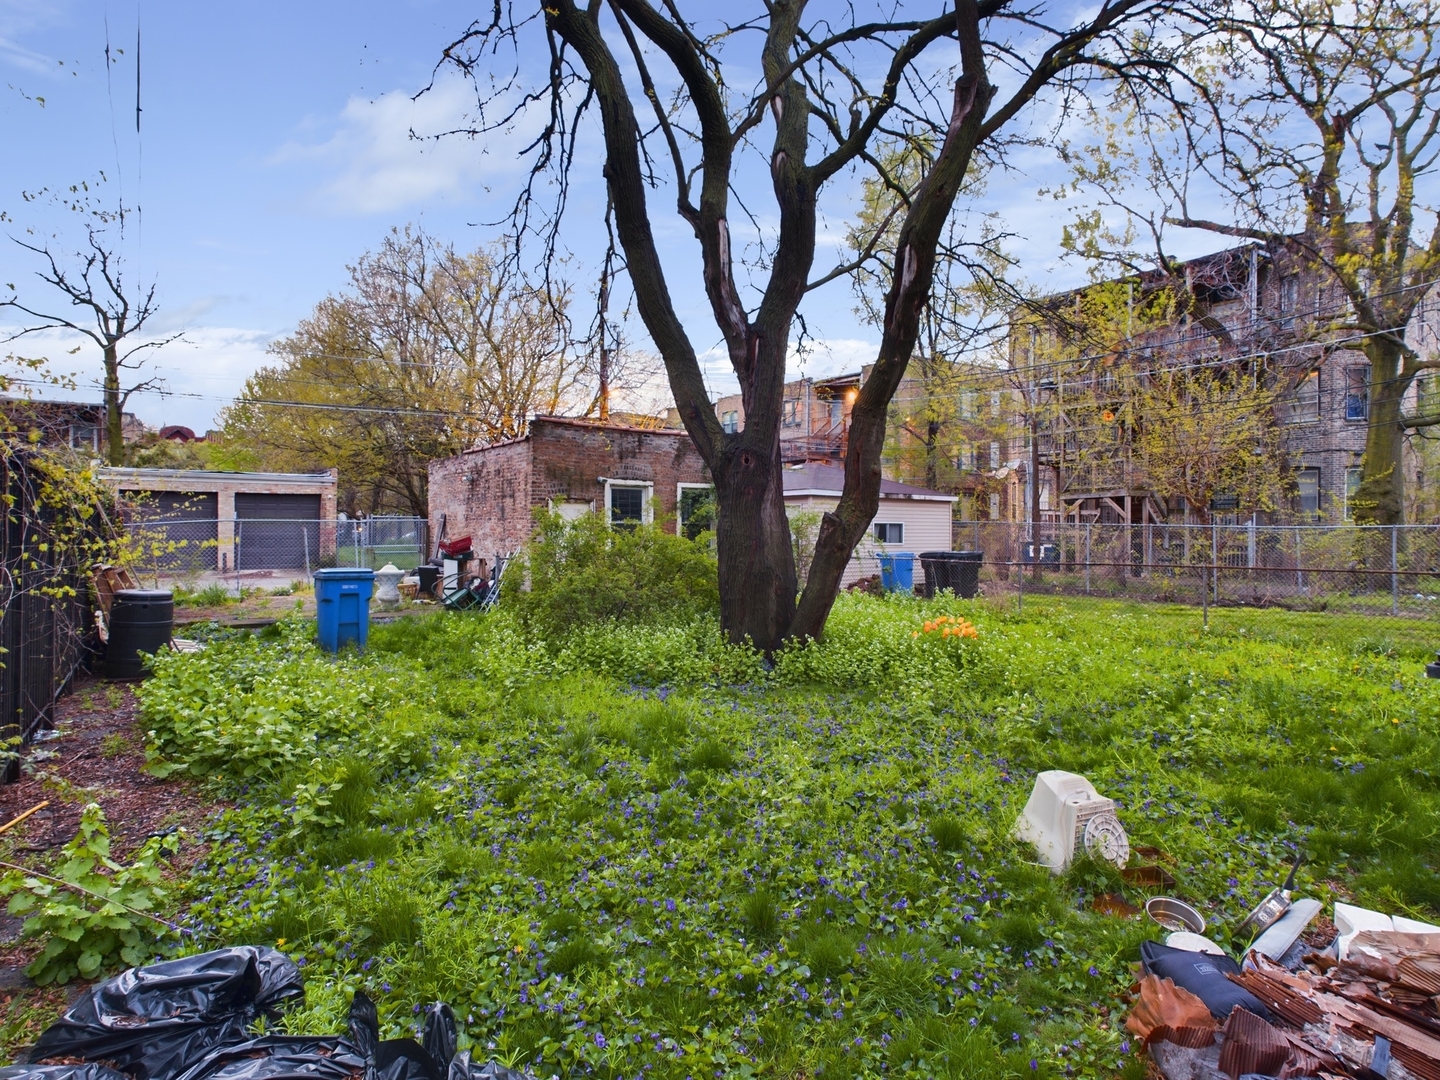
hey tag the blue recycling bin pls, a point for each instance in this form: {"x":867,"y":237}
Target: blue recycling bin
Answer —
{"x":342,"y":606}
{"x":897,"y":571}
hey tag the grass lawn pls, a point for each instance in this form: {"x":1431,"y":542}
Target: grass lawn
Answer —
{"x":636,"y":851}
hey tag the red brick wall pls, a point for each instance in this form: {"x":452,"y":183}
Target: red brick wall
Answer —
{"x":483,"y":494}
{"x":492,"y":494}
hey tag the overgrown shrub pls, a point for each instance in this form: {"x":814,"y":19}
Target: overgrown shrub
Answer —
{"x":584,"y":572}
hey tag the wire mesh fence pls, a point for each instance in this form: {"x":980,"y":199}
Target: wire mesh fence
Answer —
{"x":1363,"y":572}
{"x":46,"y":615}
{"x":174,"y":546}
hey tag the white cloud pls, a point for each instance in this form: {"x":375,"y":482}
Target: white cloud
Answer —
{"x":17,"y":18}
{"x":377,"y":163}
{"x":203,"y":372}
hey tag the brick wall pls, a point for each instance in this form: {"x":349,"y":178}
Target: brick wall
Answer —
{"x":492,"y":494}
{"x":483,"y":494}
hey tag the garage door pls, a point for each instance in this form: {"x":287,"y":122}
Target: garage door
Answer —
{"x":276,"y":532}
{"x":173,"y":531}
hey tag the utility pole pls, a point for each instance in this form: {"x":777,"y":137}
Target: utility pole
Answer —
{"x":1034,"y":481}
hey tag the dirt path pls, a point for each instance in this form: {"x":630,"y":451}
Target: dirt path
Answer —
{"x":95,"y":754}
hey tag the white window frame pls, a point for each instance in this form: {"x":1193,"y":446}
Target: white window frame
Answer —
{"x":1309,"y":471}
{"x":680,"y":490}
{"x":559,"y":503}
{"x":887,"y":525}
{"x":647,"y":508}
{"x":1357,"y":473}
{"x":1311,"y":399}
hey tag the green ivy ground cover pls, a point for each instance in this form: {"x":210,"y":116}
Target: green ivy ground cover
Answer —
{"x":637,"y":852}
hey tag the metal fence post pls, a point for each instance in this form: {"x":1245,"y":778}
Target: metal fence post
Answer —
{"x":1394,"y":570}
{"x":1020,"y":581}
{"x":305,"y":539}
{"x":1204,"y":596}
{"x":1215,"y":559}
{"x":1089,"y":526}
{"x":1299,"y":573}
{"x":239,"y":530}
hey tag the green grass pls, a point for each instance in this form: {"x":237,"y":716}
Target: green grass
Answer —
{"x":641,"y":834}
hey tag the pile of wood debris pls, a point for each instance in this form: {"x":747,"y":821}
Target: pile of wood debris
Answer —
{"x":1374,"y":1013}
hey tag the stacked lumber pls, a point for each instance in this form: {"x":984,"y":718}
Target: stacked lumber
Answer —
{"x":109,"y":580}
{"x":1373,"y":1014}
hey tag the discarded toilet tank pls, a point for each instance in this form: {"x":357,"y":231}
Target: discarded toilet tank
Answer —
{"x":1065,"y":816}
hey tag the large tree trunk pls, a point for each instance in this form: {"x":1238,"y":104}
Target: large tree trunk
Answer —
{"x":1381,"y":497}
{"x":114,"y":417}
{"x":757,"y":561}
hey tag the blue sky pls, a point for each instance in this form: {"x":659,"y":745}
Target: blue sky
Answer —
{"x":275,"y":149}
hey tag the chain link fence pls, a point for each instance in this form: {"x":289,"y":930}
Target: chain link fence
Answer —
{"x":174,"y":546}
{"x":1346,"y":570}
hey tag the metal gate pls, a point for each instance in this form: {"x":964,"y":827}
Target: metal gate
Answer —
{"x":276,"y":532}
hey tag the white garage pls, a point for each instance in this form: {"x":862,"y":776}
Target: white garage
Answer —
{"x":909,"y":519}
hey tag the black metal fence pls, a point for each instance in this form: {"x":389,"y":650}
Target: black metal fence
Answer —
{"x":46,"y":616}
{"x":1362,"y":571}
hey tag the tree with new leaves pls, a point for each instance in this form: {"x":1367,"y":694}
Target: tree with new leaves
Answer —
{"x":933,"y":416}
{"x":833,"y":85}
{"x":1316,"y":129}
{"x":1121,"y":408}
{"x":429,"y":352}
{"x":103,"y":304}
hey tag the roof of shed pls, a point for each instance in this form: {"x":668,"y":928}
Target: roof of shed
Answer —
{"x":829,"y":480}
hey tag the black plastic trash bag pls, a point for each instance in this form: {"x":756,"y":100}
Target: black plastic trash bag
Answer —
{"x":283,"y":1057}
{"x":155,"y":1022}
{"x":85,"y":1071}
{"x":359,"y":1054}
{"x":462,"y":1068}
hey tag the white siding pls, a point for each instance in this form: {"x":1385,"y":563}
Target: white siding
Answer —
{"x":927,"y":528}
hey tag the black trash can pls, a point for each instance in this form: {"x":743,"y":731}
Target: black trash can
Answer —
{"x":141,"y":621}
{"x":958,"y":571}
{"x":966,"y":566}
{"x":429,"y":576}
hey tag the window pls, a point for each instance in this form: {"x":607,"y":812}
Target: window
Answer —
{"x":889,"y":532}
{"x":1353,"y":476}
{"x":1307,"y":491}
{"x":1357,"y":393}
{"x":790,"y":412}
{"x":628,"y":503}
{"x":994,"y":507}
{"x":571,"y":509}
{"x":730,"y":421}
{"x":695,"y":509}
{"x":84,"y":436}
{"x":967,"y":406}
{"x":995,"y":404}
{"x":1289,"y":293}
{"x":1303,"y":404}
{"x":994,"y":455}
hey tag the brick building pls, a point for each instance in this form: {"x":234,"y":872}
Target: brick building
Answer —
{"x":814,"y":417}
{"x":1256,"y":310}
{"x":233,"y":520}
{"x":78,"y":425}
{"x":572,"y":466}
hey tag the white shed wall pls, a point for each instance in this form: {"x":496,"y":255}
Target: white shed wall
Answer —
{"x":927,"y":528}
